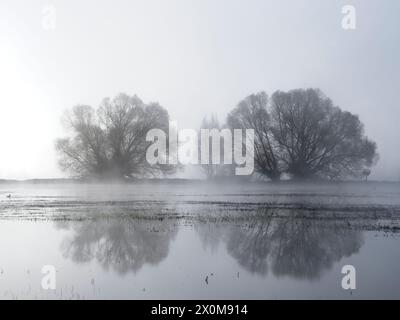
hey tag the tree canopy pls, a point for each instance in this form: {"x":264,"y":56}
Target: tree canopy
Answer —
{"x":302,"y":133}
{"x":110,"y":142}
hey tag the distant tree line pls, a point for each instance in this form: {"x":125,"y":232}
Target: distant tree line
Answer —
{"x":299,"y":133}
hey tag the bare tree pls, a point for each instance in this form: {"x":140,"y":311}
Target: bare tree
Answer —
{"x":252,"y":113}
{"x":111,"y":143}
{"x":215,"y":135}
{"x":318,"y":139}
{"x":303,"y":134}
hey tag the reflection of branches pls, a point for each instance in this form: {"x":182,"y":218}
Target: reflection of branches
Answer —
{"x":210,"y":235}
{"x":120,"y":244}
{"x":250,"y":248}
{"x":303,"y":248}
{"x":291,"y":245}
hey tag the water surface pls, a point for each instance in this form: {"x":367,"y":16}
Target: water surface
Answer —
{"x":199,"y":241}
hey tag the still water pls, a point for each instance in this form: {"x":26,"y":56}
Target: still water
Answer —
{"x":199,"y":242}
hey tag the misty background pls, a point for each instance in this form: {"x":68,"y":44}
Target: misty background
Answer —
{"x":194,"y":58}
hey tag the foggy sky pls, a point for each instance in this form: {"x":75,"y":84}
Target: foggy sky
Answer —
{"x":194,"y":58}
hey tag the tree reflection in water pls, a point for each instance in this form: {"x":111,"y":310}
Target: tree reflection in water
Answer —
{"x":288,"y":245}
{"x":120,"y":244}
{"x":291,"y":244}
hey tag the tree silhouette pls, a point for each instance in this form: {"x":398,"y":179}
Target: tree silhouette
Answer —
{"x":111,"y":143}
{"x":252,"y":113}
{"x":215,"y":170}
{"x":303,"y":134}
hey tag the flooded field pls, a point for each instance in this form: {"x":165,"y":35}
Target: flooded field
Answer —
{"x":199,"y":241}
